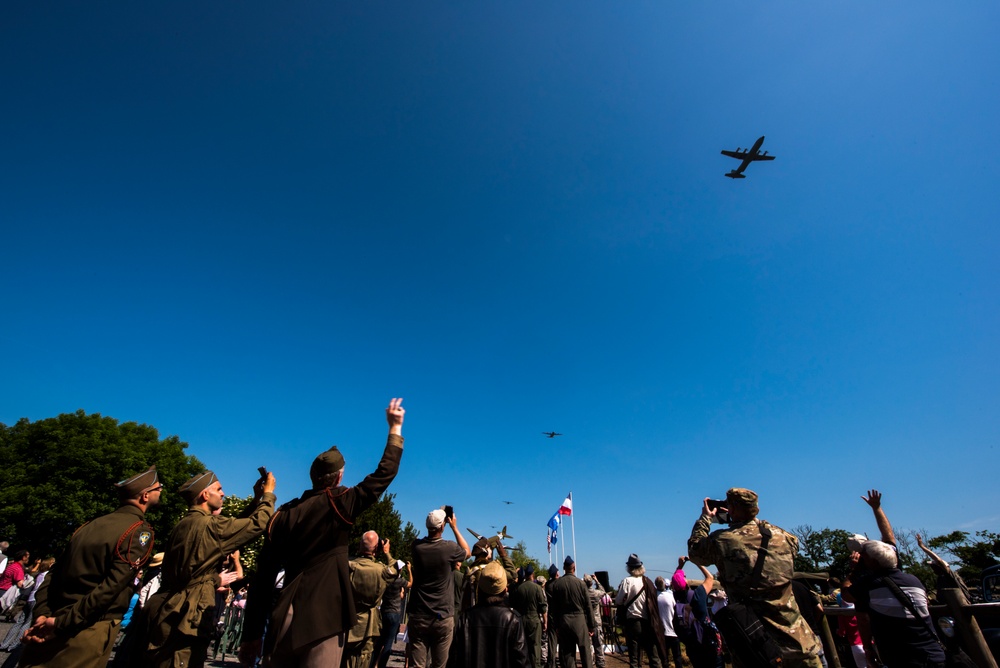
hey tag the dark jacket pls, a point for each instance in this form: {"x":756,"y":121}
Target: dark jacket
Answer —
{"x":489,"y":636}
{"x":92,"y":580}
{"x":308,"y":538}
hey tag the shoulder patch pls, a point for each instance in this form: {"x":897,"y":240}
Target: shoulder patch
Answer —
{"x":135,"y":546}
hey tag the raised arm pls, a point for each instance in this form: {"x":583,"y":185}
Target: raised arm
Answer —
{"x":709,"y":579}
{"x":700,"y":547}
{"x":930,"y":553}
{"x":453,"y":523}
{"x":874,"y":499}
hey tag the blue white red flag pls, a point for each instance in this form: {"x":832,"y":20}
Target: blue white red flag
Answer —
{"x":567,"y":506}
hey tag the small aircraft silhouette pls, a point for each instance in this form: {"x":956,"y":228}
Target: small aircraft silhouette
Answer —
{"x":747,"y":155}
{"x":551,"y":434}
{"x":509,"y":502}
{"x":493,"y":541}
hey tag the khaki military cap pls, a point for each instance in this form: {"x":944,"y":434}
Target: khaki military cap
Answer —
{"x":193,"y":488}
{"x":135,"y":485}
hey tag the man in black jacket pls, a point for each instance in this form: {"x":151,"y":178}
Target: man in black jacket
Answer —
{"x":489,"y":634}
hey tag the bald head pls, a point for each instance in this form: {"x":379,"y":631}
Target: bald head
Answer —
{"x":368,"y":542}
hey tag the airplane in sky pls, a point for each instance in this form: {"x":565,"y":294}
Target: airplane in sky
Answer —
{"x":747,"y":155}
{"x":551,"y":434}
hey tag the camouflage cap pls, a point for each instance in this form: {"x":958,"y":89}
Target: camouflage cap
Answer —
{"x":492,"y":579}
{"x":192,"y":489}
{"x":330,"y":461}
{"x":741,"y":496}
{"x":132,"y":487}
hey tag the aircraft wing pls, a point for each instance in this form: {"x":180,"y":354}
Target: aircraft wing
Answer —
{"x":735,"y":154}
{"x":760,"y":157}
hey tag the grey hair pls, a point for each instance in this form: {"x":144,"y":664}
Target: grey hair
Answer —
{"x":637,"y":572}
{"x":328,"y":479}
{"x":882,"y":554}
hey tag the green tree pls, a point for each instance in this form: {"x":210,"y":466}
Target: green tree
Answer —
{"x":822,"y":551}
{"x":61,"y":472}
{"x":385,"y":520}
{"x":971,"y":554}
{"x":234,"y":506}
{"x":519,"y":555}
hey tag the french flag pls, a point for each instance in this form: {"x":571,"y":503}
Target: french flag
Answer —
{"x":567,"y":506}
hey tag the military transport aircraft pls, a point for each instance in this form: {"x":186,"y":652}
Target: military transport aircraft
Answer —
{"x":747,"y":155}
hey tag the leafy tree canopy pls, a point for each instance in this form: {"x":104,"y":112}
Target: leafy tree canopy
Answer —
{"x":385,"y":520}
{"x":822,"y":551}
{"x":61,"y":473}
{"x":519,"y":555}
{"x":972,"y":555}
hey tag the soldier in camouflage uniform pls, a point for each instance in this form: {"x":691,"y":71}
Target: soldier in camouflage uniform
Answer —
{"x":734,"y":550}
{"x":595,"y":591}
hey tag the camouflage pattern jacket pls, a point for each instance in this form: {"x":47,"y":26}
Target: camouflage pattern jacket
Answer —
{"x":734,"y":550}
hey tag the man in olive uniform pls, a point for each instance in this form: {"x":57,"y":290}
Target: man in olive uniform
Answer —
{"x":80,"y":604}
{"x":569,"y":610}
{"x":529,"y":600}
{"x":369,"y":579}
{"x":551,"y":641}
{"x":181,"y":615}
{"x":735,"y":550}
{"x":308,"y":538}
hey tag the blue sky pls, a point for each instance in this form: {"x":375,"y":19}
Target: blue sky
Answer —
{"x":252,"y":224}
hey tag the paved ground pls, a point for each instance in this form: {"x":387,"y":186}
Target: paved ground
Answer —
{"x":396,"y":661}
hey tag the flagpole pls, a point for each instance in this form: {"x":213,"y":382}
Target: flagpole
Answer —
{"x":564,"y":538}
{"x":572,"y":523}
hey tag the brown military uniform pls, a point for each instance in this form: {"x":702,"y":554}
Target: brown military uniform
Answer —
{"x":88,"y":590}
{"x":308,"y":538}
{"x":734,"y":550}
{"x":180,"y":614}
{"x":368,"y":582}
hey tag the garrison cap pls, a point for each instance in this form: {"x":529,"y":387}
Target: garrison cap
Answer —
{"x":196,"y":485}
{"x":553,"y":571}
{"x":744,"y":497}
{"x":131,"y":487}
{"x":567,"y":562}
{"x":330,"y":461}
{"x":492,"y":579}
{"x":529,"y":570}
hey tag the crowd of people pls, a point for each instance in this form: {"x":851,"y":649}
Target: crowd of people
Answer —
{"x":310,"y":604}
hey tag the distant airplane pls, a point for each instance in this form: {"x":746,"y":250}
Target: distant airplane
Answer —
{"x":551,"y":434}
{"x":747,"y":156}
{"x":509,"y":502}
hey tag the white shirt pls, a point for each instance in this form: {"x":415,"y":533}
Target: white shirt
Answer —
{"x":665,"y":602}
{"x":626,"y":590}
